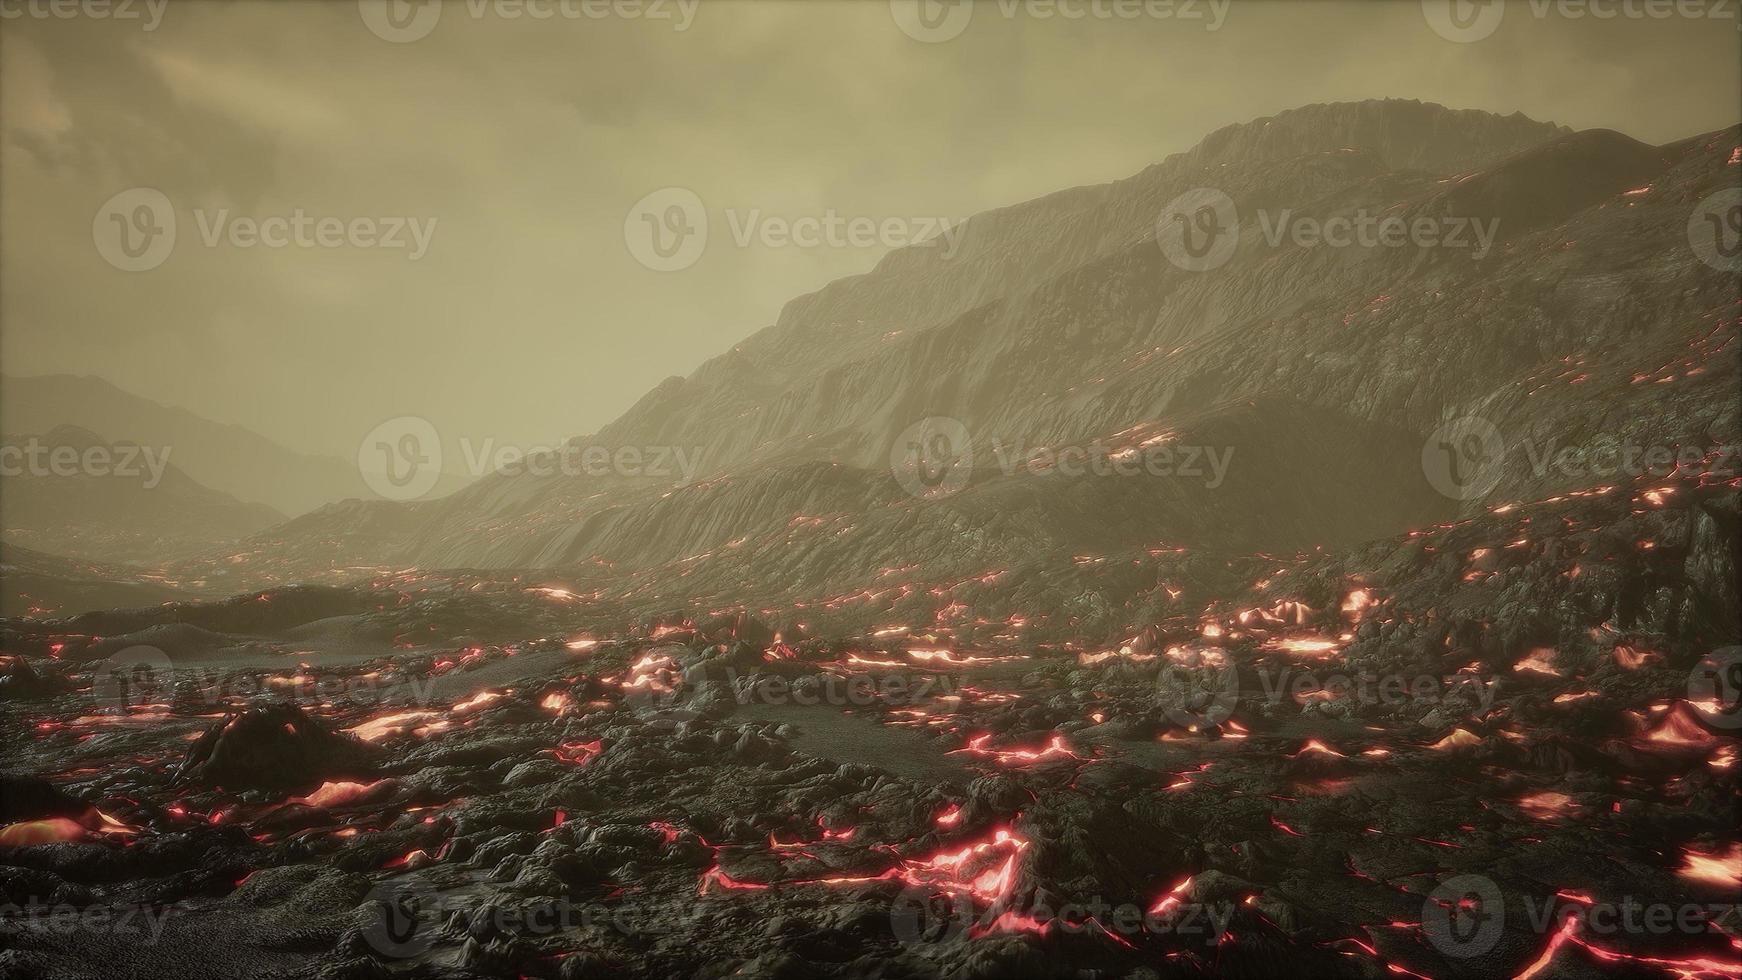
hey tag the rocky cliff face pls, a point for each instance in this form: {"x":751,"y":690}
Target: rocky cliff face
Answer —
{"x":1014,"y":251}
{"x":1553,"y":297}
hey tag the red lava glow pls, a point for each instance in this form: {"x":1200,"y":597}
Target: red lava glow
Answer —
{"x":412,"y":860}
{"x":985,"y":871}
{"x":1123,"y":653}
{"x":1724,"y":869}
{"x":975,"y":868}
{"x":1688,"y":968}
{"x":949,"y":658}
{"x":858,"y":661}
{"x":477,"y":702}
{"x":718,"y":878}
{"x":1055,"y":748}
{"x":1680,"y":728}
{"x":418,"y":722}
{"x":1459,"y":738}
{"x":580,"y":753}
{"x":1197,"y":656}
{"x":654,"y":672}
{"x":1316,"y":749}
{"x":1285,"y":613}
{"x":1316,"y":648}
{"x":557,"y":702}
{"x":1540,"y":661}
{"x":338,"y":794}
{"x":50,"y":831}
{"x":1548,"y":805}
{"x":949,"y":817}
{"x":1554,"y":944}
{"x":1171,"y":899}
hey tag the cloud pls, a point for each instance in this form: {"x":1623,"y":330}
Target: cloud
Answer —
{"x":529,"y":320}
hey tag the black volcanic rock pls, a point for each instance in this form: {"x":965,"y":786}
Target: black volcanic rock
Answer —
{"x":275,"y":746}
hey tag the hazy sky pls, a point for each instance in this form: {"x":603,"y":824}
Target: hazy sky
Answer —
{"x":526,"y":141}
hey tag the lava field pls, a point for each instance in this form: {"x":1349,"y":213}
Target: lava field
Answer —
{"x":870,"y":490}
{"x":1501,"y":747}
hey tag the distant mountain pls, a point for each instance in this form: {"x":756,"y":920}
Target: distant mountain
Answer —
{"x":1564,"y":307}
{"x":38,"y":585}
{"x":228,"y":458}
{"x":71,"y":492}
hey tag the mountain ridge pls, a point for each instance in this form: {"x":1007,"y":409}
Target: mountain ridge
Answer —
{"x":1127,"y":339}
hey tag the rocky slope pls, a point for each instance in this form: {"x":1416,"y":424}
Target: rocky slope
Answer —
{"x":1321,"y":372}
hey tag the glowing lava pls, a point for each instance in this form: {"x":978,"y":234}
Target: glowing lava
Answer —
{"x":1055,"y":749}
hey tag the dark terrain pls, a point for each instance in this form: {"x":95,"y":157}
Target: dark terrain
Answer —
{"x":793,"y":719}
